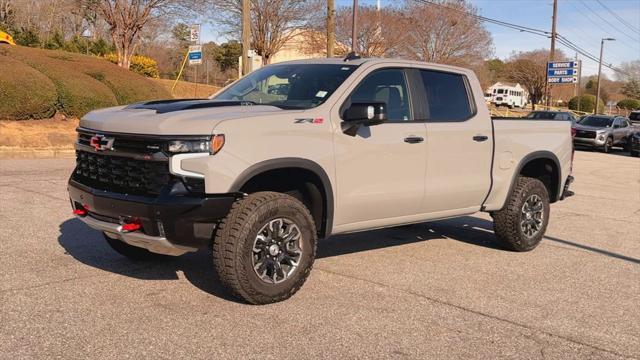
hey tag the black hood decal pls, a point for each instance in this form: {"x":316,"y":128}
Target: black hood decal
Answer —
{"x":165,"y":106}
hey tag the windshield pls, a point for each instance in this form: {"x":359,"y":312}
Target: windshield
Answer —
{"x":298,"y":86}
{"x":541,"y":115}
{"x":596,"y":121}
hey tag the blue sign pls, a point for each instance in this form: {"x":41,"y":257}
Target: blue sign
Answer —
{"x":195,"y":54}
{"x":562,"y":65}
{"x":563,"y":80}
{"x":562,"y":72}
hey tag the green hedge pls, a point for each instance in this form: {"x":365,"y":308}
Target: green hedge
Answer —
{"x":81,"y":83}
{"x":587,"y":103}
{"x":25,"y":93}
{"x":629,"y":104}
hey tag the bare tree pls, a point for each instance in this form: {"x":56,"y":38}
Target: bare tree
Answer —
{"x":380,"y":32}
{"x":127,"y":18}
{"x":273,"y":22}
{"x":446,"y":33}
{"x":529,"y":69}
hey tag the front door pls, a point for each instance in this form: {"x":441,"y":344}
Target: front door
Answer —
{"x":380,"y":171}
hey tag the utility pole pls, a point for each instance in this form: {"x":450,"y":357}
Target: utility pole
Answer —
{"x":246,"y":36}
{"x":595,"y":109}
{"x":354,"y":28}
{"x":331,"y":27}
{"x":552,"y":52}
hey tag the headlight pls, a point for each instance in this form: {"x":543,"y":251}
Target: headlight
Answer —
{"x":189,"y":146}
{"x":211,"y":146}
{"x":600,"y":136}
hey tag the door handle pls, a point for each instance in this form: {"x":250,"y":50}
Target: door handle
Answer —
{"x":480,"y":138}
{"x":413,"y":139}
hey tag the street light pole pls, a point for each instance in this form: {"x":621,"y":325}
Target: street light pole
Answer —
{"x":595,"y":109}
{"x":354,"y":28}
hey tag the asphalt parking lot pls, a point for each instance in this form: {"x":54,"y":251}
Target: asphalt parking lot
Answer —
{"x":437,"y":290}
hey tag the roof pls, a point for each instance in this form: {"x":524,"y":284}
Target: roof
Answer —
{"x":374,"y":61}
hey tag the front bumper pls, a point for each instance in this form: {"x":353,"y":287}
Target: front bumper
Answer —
{"x":171,"y":224}
{"x":588,"y":142}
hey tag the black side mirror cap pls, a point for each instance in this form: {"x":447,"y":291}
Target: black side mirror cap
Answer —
{"x":363,"y":114}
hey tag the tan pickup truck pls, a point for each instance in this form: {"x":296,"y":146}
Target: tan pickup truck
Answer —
{"x":302,"y":150}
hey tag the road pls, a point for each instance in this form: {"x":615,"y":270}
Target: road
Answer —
{"x":436,"y":290}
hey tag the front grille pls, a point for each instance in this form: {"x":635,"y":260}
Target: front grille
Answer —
{"x":586,"y":134}
{"x":131,"y":144}
{"x":121,"y":174}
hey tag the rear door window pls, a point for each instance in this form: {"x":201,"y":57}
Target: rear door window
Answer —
{"x":447,"y":95}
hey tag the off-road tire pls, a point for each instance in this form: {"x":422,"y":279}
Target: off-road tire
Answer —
{"x":506,"y":222}
{"x":133,"y":252}
{"x":608,"y":144}
{"x":233,"y":246}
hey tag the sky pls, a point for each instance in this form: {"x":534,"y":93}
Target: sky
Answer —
{"x":583,"y":22}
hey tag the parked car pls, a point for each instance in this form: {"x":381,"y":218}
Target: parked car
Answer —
{"x":352,"y":146}
{"x":634,"y":146}
{"x":634,"y":117}
{"x":603,"y":132}
{"x":551,"y":115}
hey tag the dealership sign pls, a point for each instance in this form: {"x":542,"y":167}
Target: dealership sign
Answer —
{"x":563,"y":72}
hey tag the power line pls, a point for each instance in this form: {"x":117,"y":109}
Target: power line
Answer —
{"x":620,"y":18}
{"x":563,"y":40}
{"x":606,"y":21}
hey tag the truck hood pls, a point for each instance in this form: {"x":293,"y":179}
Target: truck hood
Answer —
{"x":172,"y":117}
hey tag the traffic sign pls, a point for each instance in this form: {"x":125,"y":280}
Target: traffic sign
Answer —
{"x":563,"y":72}
{"x":195,"y":54}
{"x":195,"y":33}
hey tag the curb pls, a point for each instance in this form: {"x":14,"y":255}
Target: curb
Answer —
{"x":18,"y":153}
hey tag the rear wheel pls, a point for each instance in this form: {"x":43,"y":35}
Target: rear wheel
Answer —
{"x":523,"y":221}
{"x":265,"y":248}
{"x":132,"y":252}
{"x":634,"y":153}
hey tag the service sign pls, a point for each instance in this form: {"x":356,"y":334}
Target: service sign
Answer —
{"x":563,"y":72}
{"x":195,"y":54}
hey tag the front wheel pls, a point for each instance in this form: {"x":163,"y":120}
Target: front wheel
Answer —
{"x":523,"y":221}
{"x":606,"y":148}
{"x":265,"y":248}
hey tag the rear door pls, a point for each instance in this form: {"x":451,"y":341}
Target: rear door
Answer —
{"x":459,"y":144}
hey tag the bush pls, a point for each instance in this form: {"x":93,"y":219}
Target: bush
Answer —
{"x":629,"y":104}
{"x":140,"y":64}
{"x":587,"y":103}
{"x":72,"y":83}
{"x":35,"y":97}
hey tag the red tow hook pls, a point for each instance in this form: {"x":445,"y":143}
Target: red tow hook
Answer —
{"x":81,"y":210}
{"x":134,"y":225}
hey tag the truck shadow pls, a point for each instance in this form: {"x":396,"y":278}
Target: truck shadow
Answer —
{"x":88,"y":247}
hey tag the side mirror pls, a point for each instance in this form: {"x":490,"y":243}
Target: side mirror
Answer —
{"x":363,"y":114}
